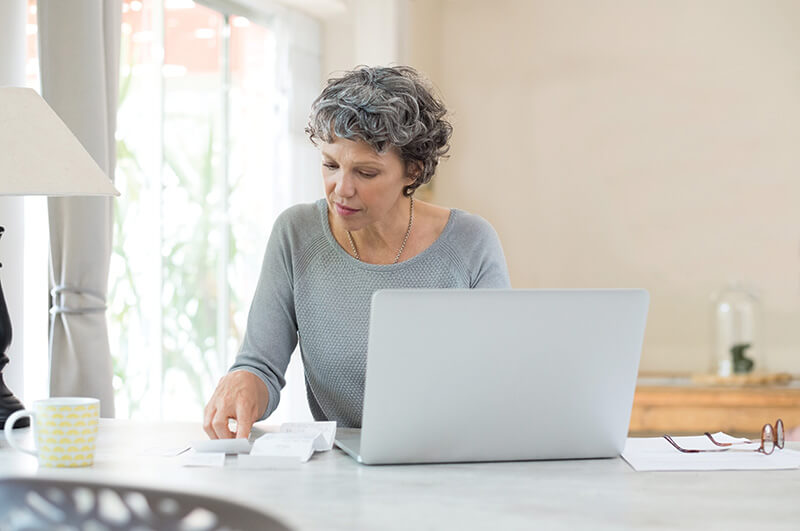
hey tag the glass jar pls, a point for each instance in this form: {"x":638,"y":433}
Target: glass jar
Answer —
{"x":738,"y":346}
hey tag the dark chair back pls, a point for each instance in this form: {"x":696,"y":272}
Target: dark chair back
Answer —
{"x":37,"y":503}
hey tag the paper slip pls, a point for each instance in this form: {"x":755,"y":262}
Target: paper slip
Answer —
{"x":204,"y":459}
{"x":325,"y":432}
{"x":656,"y":454}
{"x":297,"y":445}
{"x":226,"y":446}
{"x":164,"y":451}
{"x":266,"y":461}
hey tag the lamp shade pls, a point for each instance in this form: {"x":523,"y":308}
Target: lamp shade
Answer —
{"x":39,"y":155}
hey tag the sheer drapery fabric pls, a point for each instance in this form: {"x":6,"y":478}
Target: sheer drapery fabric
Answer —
{"x":79,"y":45}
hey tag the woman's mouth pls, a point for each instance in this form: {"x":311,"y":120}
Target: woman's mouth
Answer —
{"x":343,"y":210}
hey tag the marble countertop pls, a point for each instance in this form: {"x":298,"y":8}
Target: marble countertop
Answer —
{"x":332,"y":491}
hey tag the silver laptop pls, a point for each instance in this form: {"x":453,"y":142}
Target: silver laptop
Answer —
{"x":498,"y":375}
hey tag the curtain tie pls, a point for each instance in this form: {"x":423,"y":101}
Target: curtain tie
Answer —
{"x":62,"y":293}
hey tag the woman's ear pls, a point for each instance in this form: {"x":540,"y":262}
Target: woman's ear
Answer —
{"x":413,"y":170}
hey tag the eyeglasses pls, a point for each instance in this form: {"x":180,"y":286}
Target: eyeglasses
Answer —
{"x":770,"y":438}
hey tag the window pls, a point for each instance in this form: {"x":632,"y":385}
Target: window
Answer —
{"x":205,"y":150}
{"x":210,"y":149}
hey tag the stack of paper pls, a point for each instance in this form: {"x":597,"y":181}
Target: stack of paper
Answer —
{"x":294,"y":443}
{"x":650,"y":454}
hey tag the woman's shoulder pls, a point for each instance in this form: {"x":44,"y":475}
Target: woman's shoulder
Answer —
{"x":297,"y":228}
{"x":465,"y":233}
{"x":300,"y":219}
{"x":470,"y":226}
{"x":455,"y":226}
{"x":300,"y":214}
{"x":478,"y":245}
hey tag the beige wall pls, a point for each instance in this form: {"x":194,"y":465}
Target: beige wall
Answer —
{"x":630,"y":143}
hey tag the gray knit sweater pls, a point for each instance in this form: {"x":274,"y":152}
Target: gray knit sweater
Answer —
{"x":313,"y":290}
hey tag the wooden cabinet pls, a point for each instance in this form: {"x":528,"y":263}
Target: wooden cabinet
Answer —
{"x":679,"y":407}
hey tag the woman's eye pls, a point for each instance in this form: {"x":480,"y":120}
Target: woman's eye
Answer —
{"x":329,"y":166}
{"x":367,"y":175}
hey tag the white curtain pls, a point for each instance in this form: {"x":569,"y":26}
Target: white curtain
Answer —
{"x":79,"y":62}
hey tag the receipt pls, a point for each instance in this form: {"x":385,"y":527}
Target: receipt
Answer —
{"x":296,"y":442}
{"x":297,"y":445}
{"x":324,"y":433}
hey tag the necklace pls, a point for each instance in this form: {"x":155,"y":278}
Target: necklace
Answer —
{"x":402,"y":245}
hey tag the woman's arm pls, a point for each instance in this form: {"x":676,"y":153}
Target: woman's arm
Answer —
{"x":270,"y":339}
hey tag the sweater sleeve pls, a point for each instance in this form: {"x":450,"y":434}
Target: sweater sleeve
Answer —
{"x":271,"y":333}
{"x":491,"y":270}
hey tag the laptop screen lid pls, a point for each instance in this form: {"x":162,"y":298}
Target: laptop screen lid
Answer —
{"x":496,"y":375}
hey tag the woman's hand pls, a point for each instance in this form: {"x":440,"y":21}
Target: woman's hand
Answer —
{"x":241,"y":396}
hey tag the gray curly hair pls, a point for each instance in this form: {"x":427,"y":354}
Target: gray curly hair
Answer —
{"x":385,"y":107}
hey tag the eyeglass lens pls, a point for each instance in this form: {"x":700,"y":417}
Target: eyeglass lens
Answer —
{"x":767,"y":439}
{"x":779,"y":435}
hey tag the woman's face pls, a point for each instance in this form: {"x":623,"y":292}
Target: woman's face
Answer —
{"x":362,"y":186}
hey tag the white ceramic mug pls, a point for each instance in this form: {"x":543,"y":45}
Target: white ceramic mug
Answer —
{"x":64,"y":429}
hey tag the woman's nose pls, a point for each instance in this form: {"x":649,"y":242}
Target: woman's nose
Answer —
{"x":344,"y":185}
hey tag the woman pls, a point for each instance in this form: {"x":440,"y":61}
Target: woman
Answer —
{"x":381,"y":133}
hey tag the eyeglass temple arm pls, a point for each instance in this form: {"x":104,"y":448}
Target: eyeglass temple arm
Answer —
{"x":692,"y":451}
{"x":713,"y":440}
{"x":779,"y":443}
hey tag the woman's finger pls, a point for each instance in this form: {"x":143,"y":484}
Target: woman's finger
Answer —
{"x":220,"y":425}
{"x":245,"y":417}
{"x":208,"y":416}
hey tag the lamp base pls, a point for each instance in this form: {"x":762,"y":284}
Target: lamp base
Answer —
{"x":9,"y":402}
